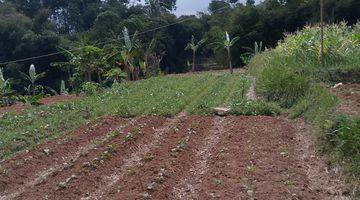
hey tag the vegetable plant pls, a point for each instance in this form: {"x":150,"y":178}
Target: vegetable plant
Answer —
{"x":5,"y":91}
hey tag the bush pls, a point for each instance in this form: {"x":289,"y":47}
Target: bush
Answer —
{"x":90,"y":88}
{"x":255,"y":108}
{"x":281,"y":84}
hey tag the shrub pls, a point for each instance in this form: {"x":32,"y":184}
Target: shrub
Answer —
{"x":281,"y":84}
{"x":255,"y":108}
{"x":90,"y":88}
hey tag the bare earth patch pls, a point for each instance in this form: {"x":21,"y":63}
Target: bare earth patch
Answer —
{"x":186,"y":157}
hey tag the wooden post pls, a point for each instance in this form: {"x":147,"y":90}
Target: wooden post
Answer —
{"x":322,"y":33}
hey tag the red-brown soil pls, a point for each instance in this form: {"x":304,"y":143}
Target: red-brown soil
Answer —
{"x":185,"y":157}
{"x":19,"y":107}
{"x":350,"y":95}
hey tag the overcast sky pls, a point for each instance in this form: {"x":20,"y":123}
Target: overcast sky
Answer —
{"x":189,"y":7}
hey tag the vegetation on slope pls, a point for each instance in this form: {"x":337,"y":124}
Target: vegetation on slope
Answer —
{"x":291,"y":75}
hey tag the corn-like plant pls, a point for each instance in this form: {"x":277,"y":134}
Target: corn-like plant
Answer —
{"x":194,"y":47}
{"x":63,"y":89}
{"x":32,"y":77}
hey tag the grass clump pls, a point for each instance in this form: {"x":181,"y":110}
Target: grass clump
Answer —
{"x":282,"y":84}
{"x":343,"y":144}
{"x":255,"y":108}
{"x":315,"y":105}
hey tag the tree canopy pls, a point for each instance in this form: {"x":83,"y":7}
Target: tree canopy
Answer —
{"x":34,"y":28}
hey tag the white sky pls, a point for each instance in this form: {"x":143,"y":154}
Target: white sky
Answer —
{"x":189,"y":7}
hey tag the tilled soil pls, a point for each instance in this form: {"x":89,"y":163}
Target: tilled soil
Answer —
{"x":185,"y":157}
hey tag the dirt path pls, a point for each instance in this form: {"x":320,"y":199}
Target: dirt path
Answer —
{"x":186,"y":157}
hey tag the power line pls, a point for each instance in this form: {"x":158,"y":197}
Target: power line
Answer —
{"x":75,"y":49}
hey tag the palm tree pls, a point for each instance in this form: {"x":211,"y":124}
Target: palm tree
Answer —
{"x":194,"y":47}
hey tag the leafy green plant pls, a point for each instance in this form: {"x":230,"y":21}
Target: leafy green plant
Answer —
{"x":63,"y":89}
{"x":115,"y":75}
{"x":90,"y":88}
{"x":6,"y":93}
{"x":282,"y":84}
{"x":246,"y":57}
{"x":255,"y":108}
{"x":33,"y":100}
{"x":192,"y":45}
{"x":33,"y":77}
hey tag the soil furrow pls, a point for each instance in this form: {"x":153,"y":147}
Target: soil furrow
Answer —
{"x":102,"y":153}
{"x":29,"y":168}
{"x":189,"y":185}
{"x":256,"y":161}
{"x":135,"y":159}
{"x":159,"y":165}
{"x":172,"y":160}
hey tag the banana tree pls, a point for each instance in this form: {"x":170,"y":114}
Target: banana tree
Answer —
{"x":192,"y":45}
{"x":32,"y":77}
{"x":227,"y":43}
{"x":128,"y":54}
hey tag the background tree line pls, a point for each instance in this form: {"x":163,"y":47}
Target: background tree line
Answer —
{"x":93,"y":28}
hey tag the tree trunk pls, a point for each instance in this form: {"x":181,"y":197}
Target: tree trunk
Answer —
{"x":99,"y":77}
{"x":230,"y":64}
{"x":193,"y":64}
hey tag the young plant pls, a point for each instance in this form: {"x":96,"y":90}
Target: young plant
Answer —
{"x":194,"y":47}
{"x":32,"y":77}
{"x":5,"y":91}
{"x":63,"y":89}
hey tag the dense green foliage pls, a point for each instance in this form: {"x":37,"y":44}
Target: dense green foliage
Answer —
{"x":286,"y":73}
{"x":36,"y":27}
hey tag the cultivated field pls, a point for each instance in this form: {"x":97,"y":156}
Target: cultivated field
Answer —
{"x":135,"y":142}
